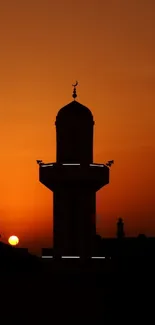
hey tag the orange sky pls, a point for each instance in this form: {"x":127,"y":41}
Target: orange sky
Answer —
{"x":108,"y":46}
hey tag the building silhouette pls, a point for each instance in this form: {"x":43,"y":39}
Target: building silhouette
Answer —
{"x":74,"y":180}
{"x":120,"y":228}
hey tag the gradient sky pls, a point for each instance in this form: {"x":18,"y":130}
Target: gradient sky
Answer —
{"x":109,"y":47}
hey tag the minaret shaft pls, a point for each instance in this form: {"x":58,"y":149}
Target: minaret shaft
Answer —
{"x":74,"y":221}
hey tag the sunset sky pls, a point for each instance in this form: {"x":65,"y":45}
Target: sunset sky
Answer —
{"x":109,"y":47}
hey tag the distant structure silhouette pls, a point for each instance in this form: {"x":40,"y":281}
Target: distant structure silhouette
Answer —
{"x":120,"y":228}
{"x":74,"y":180}
{"x":142,"y":236}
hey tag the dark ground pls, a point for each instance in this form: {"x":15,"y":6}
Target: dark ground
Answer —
{"x":74,"y":292}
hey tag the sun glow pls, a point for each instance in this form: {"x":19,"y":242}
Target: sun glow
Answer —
{"x":13,"y":240}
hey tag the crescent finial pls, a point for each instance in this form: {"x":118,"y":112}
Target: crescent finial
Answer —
{"x":74,"y":90}
{"x":75,"y":84}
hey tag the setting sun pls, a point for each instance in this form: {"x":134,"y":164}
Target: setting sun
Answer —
{"x":13,"y":240}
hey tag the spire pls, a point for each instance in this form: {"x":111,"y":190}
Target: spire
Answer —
{"x":120,"y":228}
{"x":74,"y":90}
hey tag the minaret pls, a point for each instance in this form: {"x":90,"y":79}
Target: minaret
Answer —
{"x":120,"y":228}
{"x":74,"y":180}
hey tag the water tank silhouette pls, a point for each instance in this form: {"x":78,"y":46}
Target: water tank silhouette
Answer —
{"x":74,"y":134}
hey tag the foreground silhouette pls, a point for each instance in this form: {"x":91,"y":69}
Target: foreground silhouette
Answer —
{"x":77,"y":291}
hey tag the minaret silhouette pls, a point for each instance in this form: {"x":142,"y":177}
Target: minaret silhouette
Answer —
{"x":120,"y":228}
{"x":74,"y":180}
